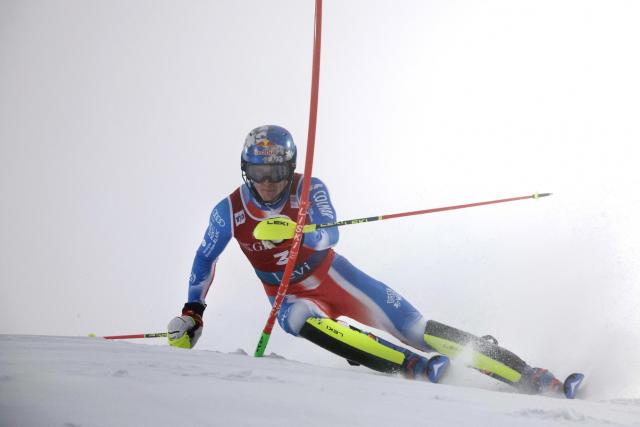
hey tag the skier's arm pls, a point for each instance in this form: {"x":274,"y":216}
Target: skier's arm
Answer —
{"x":185,"y":330}
{"x":215,"y":239}
{"x":321,"y":211}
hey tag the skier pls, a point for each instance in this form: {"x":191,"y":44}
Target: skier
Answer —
{"x":324,"y":285}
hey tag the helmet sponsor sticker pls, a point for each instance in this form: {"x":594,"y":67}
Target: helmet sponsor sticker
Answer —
{"x":270,"y":151}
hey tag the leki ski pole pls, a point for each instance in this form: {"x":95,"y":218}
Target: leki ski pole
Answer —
{"x":126,"y":337}
{"x":281,"y":228}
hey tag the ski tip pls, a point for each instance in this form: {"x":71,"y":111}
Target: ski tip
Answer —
{"x":572,"y":384}
{"x":436,"y":367}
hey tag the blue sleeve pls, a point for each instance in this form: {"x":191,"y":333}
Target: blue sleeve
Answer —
{"x":321,"y":211}
{"x":218,"y":234}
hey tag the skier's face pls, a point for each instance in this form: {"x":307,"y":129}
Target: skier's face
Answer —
{"x":269,"y":191}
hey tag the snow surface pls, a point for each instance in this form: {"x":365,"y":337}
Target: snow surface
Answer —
{"x":66,"y":381}
{"x":120,"y":128}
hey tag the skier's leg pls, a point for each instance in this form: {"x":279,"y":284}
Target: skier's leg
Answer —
{"x":295,"y":311}
{"x":375,"y":304}
{"x":371,"y":351}
{"x":302,"y":317}
{"x":489,"y":358}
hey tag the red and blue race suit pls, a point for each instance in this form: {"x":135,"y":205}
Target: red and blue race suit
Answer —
{"x":323,"y":283}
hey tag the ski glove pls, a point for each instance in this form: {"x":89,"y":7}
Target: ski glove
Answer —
{"x":184,"y":331}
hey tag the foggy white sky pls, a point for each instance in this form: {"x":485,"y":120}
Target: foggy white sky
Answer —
{"x":121,"y":125}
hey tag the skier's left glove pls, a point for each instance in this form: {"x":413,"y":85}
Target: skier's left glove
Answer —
{"x":184,"y":331}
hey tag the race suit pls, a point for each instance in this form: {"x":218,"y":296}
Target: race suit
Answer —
{"x":323,"y":283}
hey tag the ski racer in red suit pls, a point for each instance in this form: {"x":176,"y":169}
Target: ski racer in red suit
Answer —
{"x":324,"y":285}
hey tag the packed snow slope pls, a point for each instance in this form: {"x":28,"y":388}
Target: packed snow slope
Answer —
{"x":63,"y":381}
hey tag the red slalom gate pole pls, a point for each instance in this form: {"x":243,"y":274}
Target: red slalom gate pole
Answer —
{"x":306,"y":180}
{"x":127,"y":337}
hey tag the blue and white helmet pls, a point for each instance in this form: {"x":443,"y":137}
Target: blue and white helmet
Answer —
{"x":269,"y":153}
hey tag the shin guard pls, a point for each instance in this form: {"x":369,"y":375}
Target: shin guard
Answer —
{"x":486,"y":356}
{"x":353,"y":345}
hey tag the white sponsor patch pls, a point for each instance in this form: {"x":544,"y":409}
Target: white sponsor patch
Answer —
{"x":239,"y":217}
{"x":215,"y":216}
{"x":393,"y":298}
{"x":293,"y":201}
{"x":321,"y":200}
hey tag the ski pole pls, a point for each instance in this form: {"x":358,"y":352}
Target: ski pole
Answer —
{"x":126,"y":337}
{"x":306,"y":181}
{"x":281,"y":228}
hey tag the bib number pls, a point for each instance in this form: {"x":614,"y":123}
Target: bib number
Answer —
{"x":283,"y":257}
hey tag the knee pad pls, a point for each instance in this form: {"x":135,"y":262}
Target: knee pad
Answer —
{"x":283,"y":320}
{"x":294,"y":314}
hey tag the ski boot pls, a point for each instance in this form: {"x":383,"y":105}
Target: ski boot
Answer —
{"x":418,"y":367}
{"x":490,"y":338}
{"x":537,"y":381}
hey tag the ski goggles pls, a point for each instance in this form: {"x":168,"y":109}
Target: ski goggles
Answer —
{"x":271,"y":173}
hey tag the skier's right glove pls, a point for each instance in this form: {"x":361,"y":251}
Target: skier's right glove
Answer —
{"x":184,"y":331}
